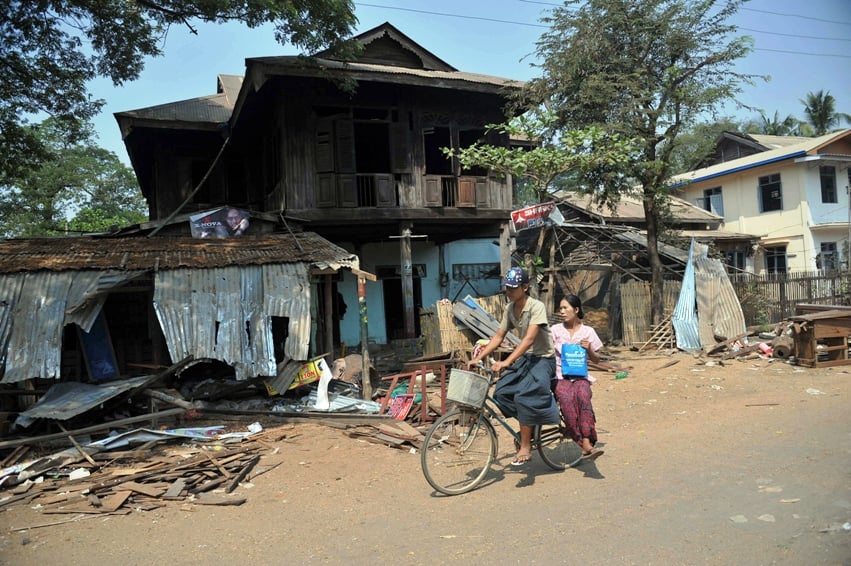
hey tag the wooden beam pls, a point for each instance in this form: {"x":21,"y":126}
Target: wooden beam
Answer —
{"x":88,"y":429}
{"x":363,"y":274}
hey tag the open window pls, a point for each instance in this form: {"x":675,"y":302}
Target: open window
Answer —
{"x":770,"y":193}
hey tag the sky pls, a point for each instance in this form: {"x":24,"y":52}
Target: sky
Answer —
{"x":803,"y":46}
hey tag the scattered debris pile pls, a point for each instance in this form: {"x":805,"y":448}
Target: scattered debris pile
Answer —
{"x":140,"y":470}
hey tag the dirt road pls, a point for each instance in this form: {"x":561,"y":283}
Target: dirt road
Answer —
{"x":742,"y":464}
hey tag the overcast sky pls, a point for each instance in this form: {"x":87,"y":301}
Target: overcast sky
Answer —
{"x":803,"y":46}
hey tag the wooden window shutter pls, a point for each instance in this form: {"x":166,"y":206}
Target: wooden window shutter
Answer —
{"x":400,"y":148}
{"x":432,"y":191}
{"x":348,"y":191}
{"x":466,"y":192}
{"x":324,"y":146}
{"x":482,"y":197}
{"x":345,"y":139}
{"x":386,"y":190}
{"x":327,"y":194}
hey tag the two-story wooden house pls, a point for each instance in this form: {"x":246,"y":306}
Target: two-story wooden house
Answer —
{"x":353,"y":151}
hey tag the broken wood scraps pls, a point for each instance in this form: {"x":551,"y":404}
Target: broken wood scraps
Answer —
{"x":146,"y":478}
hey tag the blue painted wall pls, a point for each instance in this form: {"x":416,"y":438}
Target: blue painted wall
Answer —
{"x":373,"y":256}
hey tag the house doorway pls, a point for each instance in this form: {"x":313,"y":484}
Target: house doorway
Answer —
{"x":394,"y":304}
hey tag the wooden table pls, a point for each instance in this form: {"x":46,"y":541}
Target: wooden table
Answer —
{"x":821,"y":339}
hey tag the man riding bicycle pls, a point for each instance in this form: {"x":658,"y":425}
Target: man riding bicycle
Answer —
{"x":524,"y":391}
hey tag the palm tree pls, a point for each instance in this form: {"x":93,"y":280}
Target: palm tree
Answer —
{"x":789,"y":126}
{"x":820,"y":108}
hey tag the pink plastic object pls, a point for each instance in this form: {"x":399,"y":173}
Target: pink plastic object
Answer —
{"x":765,"y":348}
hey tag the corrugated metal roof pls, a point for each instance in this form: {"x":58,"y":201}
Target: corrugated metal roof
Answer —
{"x":211,"y":109}
{"x":229,"y":85}
{"x":807,"y":146}
{"x":776,"y":141}
{"x":218,"y":108}
{"x":308,"y":66}
{"x":164,"y":253}
{"x":630,"y":208}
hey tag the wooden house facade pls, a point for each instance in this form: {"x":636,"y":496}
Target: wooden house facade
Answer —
{"x":353,"y":151}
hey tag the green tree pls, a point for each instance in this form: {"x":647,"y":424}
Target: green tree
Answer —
{"x":50,"y":49}
{"x":820,"y":109}
{"x":645,"y":69}
{"x":599,"y":156}
{"x":788,"y":126}
{"x":697,"y":142}
{"x":77,"y":187}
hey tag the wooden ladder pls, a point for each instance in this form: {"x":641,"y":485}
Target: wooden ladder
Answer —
{"x":662,"y":336}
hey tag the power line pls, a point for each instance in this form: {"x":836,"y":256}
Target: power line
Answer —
{"x":451,"y":15}
{"x":803,"y":53}
{"x":480,"y":18}
{"x":743,"y":9}
{"x":798,"y":36}
{"x":794,"y":16}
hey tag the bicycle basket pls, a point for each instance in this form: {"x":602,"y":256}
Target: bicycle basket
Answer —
{"x":467,"y":388}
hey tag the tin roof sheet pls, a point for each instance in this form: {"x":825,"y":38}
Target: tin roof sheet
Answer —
{"x":630,"y":208}
{"x":163,"y":253}
{"x":806,"y":146}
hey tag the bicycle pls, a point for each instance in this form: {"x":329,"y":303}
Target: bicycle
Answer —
{"x":460,"y":447}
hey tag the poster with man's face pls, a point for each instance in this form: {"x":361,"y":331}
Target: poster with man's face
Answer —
{"x":224,"y":222}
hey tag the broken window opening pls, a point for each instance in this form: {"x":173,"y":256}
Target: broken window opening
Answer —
{"x":280,"y":333}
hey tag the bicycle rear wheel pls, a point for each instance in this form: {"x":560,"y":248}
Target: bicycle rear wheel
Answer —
{"x":458,"y":451}
{"x":558,"y":451}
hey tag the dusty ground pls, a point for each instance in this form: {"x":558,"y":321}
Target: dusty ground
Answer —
{"x":742,"y":464}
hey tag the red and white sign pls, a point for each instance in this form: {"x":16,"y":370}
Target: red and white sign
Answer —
{"x":531,"y":216}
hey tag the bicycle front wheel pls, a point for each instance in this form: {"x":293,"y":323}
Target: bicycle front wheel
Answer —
{"x":458,"y":451}
{"x":558,"y":451}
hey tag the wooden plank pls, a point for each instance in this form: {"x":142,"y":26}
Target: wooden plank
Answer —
{"x":245,"y":471}
{"x":206,"y":499}
{"x":114,"y":501}
{"x":175,"y":490}
{"x":148,"y":490}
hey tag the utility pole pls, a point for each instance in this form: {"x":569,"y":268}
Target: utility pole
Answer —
{"x":407,"y":275}
{"x":366,"y":383}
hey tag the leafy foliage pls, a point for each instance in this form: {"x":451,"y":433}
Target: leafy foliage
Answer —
{"x":820,"y":109}
{"x":788,"y":126}
{"x":643,"y":69}
{"x":77,"y":187}
{"x":697,"y":142}
{"x":590,"y":157}
{"x":50,"y":49}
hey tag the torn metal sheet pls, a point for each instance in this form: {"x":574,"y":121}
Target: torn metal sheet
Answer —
{"x":69,"y":399}
{"x":88,"y":293}
{"x":225,"y":314}
{"x":684,"y":318}
{"x":707,"y":305}
{"x":141,"y":435}
{"x":35,"y":334}
{"x":10,"y":291}
{"x":342,"y":403}
{"x":34,"y":309}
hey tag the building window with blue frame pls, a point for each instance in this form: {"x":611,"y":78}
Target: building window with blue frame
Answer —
{"x":712,"y":201}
